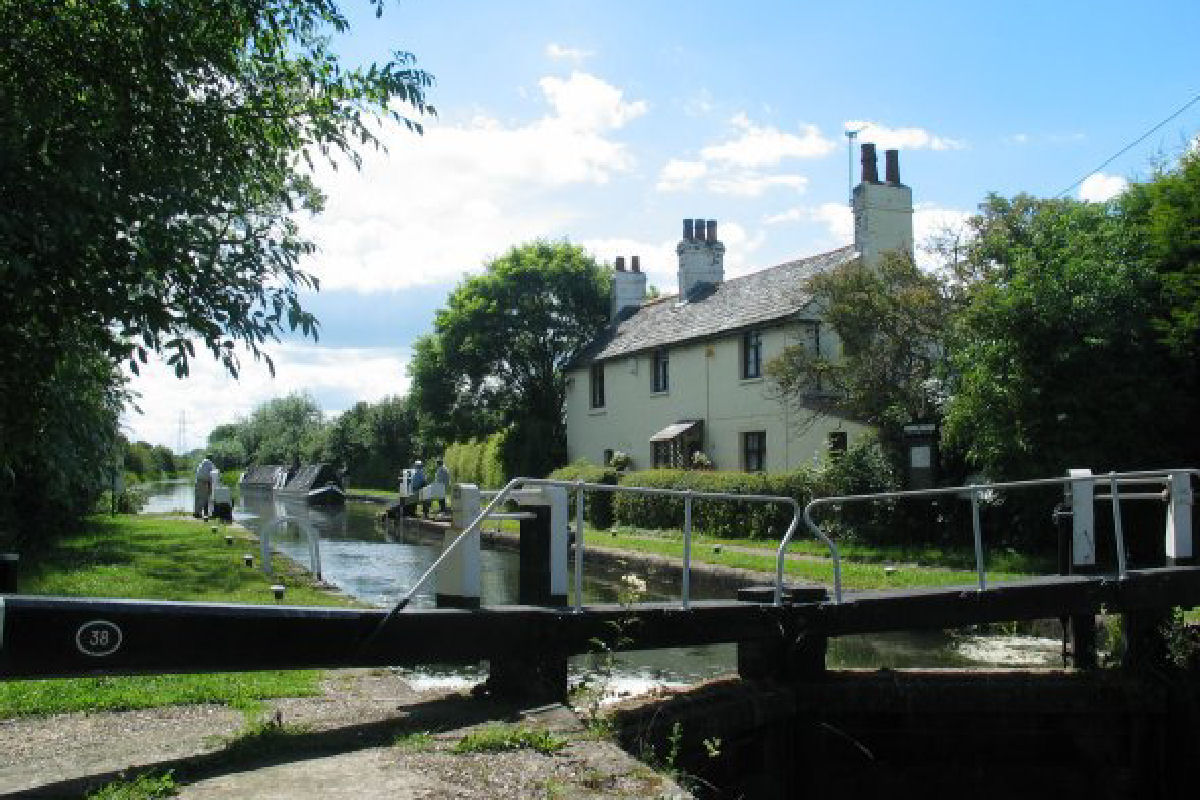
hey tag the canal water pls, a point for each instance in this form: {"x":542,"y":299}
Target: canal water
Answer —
{"x":377,"y":566}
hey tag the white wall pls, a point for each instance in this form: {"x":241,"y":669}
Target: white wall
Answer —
{"x":705,"y":384}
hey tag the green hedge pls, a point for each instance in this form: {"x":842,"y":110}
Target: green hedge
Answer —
{"x":477,"y":461}
{"x":598,"y":508}
{"x":862,"y":470}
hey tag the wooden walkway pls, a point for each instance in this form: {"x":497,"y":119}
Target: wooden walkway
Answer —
{"x":55,"y":636}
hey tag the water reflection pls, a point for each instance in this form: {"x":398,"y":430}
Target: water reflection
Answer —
{"x":378,"y":566}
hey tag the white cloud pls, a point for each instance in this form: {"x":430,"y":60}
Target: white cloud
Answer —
{"x":336,"y":377}
{"x":678,"y":175}
{"x":561,"y":53}
{"x":437,"y":205}
{"x":1100,"y":187}
{"x":585,"y":103}
{"x":753,"y":185}
{"x":735,"y":166}
{"x":932,"y":222}
{"x":834,"y":217}
{"x":759,"y":146}
{"x":901,"y":138}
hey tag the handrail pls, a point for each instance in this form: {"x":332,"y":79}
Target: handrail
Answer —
{"x":688,"y":496}
{"x":1113,"y":480}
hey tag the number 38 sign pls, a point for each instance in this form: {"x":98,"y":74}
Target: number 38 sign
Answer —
{"x":98,"y":637}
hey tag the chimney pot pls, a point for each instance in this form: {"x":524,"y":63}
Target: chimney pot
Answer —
{"x":891,"y":160}
{"x":870,"y":165}
{"x":620,"y":263}
{"x":635,"y":263}
{"x":710,"y":230}
{"x":687,"y":229}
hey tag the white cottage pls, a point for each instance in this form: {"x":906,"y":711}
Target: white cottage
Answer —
{"x":685,"y":373}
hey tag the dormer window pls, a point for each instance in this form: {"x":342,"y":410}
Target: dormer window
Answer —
{"x":660,"y":373}
{"x":751,"y":355}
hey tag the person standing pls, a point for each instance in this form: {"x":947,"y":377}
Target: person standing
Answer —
{"x":442,"y":476}
{"x":203,"y":489}
{"x":415,"y":486}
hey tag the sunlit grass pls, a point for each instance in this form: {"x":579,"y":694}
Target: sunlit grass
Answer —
{"x":164,"y":558}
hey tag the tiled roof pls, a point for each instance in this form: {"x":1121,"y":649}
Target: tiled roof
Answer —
{"x":761,"y":297}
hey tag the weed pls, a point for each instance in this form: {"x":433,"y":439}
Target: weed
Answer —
{"x":263,"y":737}
{"x":499,"y":738}
{"x":414,"y":741}
{"x":146,"y":786}
{"x":712,"y":746}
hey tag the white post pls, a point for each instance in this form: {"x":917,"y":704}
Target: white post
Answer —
{"x":1179,"y":518}
{"x":557,"y":499}
{"x":1082,"y":491}
{"x":458,"y":575}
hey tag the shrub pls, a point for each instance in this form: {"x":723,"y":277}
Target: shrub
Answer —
{"x":598,"y":507}
{"x":717,"y":517}
{"x":861,"y":470}
{"x":477,"y":461}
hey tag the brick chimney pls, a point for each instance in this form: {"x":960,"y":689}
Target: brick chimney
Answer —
{"x":882,"y":211}
{"x":629,"y":287}
{"x":701,"y":256}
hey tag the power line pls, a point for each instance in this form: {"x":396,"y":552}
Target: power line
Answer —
{"x":1131,"y":145}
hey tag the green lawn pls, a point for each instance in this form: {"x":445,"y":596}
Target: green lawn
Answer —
{"x":857,"y":572}
{"x":158,"y":557}
{"x":863,"y":566}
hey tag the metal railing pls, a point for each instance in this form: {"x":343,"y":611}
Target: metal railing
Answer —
{"x":1113,"y":480}
{"x":580,"y":487}
{"x":313,"y":537}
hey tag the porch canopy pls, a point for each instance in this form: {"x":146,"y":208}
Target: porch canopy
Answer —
{"x":674,"y":430}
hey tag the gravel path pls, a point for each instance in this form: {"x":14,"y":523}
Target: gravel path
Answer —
{"x":343,"y":744}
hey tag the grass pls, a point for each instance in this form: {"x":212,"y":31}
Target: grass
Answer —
{"x":147,"y":786}
{"x":499,"y":738}
{"x":760,"y":556}
{"x":389,"y":494}
{"x":414,"y":741}
{"x":158,"y":557}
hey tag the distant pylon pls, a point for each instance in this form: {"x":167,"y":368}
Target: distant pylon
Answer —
{"x":182,"y":448}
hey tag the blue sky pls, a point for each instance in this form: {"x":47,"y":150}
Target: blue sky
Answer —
{"x":607,"y":123}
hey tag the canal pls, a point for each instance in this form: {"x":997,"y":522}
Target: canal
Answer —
{"x":376,"y":566}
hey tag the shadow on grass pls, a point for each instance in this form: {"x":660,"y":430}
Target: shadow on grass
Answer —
{"x":273,"y":743}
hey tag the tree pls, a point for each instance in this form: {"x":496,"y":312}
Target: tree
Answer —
{"x":892,"y":321}
{"x":152,"y":156}
{"x":499,"y":347}
{"x":1059,"y":357}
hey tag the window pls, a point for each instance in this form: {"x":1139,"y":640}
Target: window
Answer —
{"x":751,"y":354}
{"x":661,"y":372}
{"x":754,"y":451}
{"x":837,"y":443}
{"x":598,"y":385}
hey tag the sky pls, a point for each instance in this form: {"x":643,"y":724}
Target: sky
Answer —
{"x":607,"y":123}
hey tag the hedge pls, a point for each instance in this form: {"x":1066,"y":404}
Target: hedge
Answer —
{"x":598,"y":506}
{"x":477,"y":461}
{"x":862,"y":470}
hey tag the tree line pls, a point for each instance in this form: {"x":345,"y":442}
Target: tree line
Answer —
{"x":371,"y":441}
